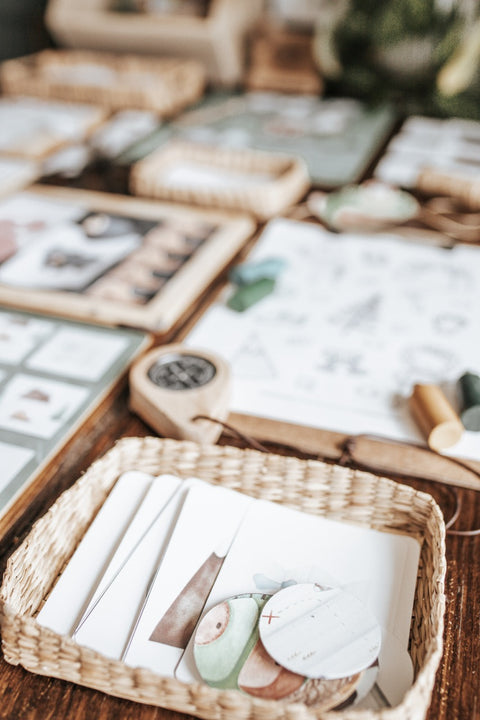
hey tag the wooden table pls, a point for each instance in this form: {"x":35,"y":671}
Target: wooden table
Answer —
{"x":24,"y":695}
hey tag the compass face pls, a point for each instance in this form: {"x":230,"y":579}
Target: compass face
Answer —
{"x":182,"y":372}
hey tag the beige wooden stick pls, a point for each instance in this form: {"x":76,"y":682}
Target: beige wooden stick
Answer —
{"x":435,"y":416}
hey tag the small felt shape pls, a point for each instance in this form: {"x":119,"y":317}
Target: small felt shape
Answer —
{"x":469,"y":387}
{"x":369,"y":206}
{"x":251,"y":272}
{"x":247,"y":295}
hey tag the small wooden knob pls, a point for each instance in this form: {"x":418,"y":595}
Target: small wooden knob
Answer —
{"x":435,"y":416}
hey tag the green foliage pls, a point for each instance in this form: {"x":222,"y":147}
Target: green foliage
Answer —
{"x":371,"y":29}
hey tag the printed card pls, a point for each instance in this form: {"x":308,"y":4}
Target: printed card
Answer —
{"x":19,"y":335}
{"x":36,"y":406}
{"x":73,"y":590}
{"x":78,"y":353}
{"x":63,"y":258}
{"x":206,"y":526}
{"x":276,"y":546}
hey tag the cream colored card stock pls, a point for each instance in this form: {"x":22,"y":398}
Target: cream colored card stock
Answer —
{"x":70,"y":596}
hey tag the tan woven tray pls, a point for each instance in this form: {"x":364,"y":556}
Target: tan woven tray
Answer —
{"x":218,"y":40}
{"x":163,"y":85}
{"x":310,"y":486}
{"x":287,"y":181}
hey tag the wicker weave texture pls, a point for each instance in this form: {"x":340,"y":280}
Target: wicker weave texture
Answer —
{"x":310,"y":486}
{"x":289,"y":178}
{"x":163,"y":85}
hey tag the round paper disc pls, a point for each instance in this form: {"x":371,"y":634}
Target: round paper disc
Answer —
{"x":319,"y":633}
{"x":229,"y":654}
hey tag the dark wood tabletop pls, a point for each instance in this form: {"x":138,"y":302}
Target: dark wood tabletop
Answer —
{"x":456,"y":694}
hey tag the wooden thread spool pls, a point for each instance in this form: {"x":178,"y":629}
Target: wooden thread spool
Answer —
{"x":469,"y":386}
{"x":167,"y":391}
{"x":435,"y":416}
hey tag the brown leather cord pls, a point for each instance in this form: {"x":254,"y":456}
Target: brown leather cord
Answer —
{"x":241,"y":436}
{"x":347,"y":458}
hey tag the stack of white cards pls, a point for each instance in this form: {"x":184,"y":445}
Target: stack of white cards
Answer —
{"x":448,"y":145}
{"x":162,"y":552}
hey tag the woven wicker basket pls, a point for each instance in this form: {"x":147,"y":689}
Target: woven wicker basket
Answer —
{"x":288,"y":183}
{"x":310,"y":486}
{"x":163,"y":85}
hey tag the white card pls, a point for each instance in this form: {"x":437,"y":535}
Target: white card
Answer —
{"x":14,"y":459}
{"x":109,"y":622}
{"x":204,"y":176}
{"x":207,"y":524}
{"x":36,"y":406}
{"x":19,"y":335}
{"x":79,"y":353}
{"x":157,"y":496}
{"x":33,"y":212}
{"x":72,"y":592}
{"x":27,"y":122}
{"x":276,"y":546}
{"x":122,"y":130}
{"x":16,"y":173}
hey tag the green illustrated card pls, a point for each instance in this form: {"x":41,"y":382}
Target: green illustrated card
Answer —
{"x":53,"y":375}
{"x":337,"y":137}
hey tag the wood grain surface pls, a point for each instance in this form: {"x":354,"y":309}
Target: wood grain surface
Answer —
{"x":456,"y":696}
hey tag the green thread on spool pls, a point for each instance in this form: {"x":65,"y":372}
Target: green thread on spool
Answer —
{"x":469,"y":385}
{"x":247,"y":295}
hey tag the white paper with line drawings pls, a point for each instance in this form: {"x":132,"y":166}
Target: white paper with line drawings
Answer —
{"x":353,"y":323}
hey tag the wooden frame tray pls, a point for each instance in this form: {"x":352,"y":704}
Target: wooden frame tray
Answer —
{"x":117,"y":82}
{"x":150,"y":286}
{"x":251,"y":181}
{"x":310,"y":486}
{"x":216,"y":40}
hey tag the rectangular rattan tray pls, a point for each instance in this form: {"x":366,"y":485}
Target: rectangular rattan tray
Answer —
{"x":263,"y":183}
{"x":217,"y":40}
{"x":310,"y":486}
{"x":116,"y":82}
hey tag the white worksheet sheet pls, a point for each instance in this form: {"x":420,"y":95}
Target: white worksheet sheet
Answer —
{"x":354,"y":321}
